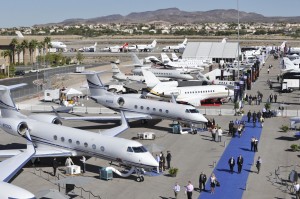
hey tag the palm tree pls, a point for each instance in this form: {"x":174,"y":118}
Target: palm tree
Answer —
{"x":41,"y":46}
{"x":24,"y":45}
{"x":7,"y":53}
{"x":79,"y":57}
{"x":47,"y":41}
{"x":32,"y":46}
{"x":19,"y":49}
{"x":14,"y":42}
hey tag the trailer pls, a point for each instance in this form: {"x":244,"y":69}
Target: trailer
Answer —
{"x":51,"y":95}
{"x":146,"y":136}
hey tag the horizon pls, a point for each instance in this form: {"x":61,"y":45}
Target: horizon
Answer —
{"x":29,"y":13}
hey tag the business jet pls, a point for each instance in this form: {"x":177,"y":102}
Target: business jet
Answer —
{"x":175,"y":48}
{"x":89,"y":49}
{"x":199,"y":62}
{"x":51,"y":139}
{"x":291,"y":66}
{"x":192,"y":95}
{"x":214,"y":80}
{"x":136,"y":108}
{"x":143,"y":47}
{"x":116,"y":49}
{"x":9,"y":167}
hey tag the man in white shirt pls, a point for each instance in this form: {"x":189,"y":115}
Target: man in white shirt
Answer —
{"x":69,"y":162}
{"x":176,"y":189}
{"x":158,"y":160}
{"x":220,"y":133}
{"x":297,"y":190}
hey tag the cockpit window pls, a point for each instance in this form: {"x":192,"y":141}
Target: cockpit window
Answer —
{"x":187,"y":110}
{"x":139,"y":149}
{"x":194,"y":111}
{"x":129,"y":149}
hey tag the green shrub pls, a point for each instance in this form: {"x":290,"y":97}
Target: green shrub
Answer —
{"x":173,"y":171}
{"x":284,"y":128}
{"x":294,"y":147}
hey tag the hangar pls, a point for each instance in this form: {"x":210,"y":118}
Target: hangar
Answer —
{"x":213,"y":51}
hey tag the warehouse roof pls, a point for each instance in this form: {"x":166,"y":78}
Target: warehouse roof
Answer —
{"x":211,"y":50}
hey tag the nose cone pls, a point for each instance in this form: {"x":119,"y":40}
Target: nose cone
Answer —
{"x":230,"y":93}
{"x":189,"y":77}
{"x":150,"y":160}
{"x":202,"y":118}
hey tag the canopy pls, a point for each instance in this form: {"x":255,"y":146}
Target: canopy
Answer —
{"x":72,"y":91}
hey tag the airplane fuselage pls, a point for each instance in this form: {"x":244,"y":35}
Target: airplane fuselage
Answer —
{"x":176,"y":74}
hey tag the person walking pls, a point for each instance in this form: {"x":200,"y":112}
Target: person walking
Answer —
{"x":231,"y":163}
{"x":249,"y":116}
{"x":240,"y":129}
{"x":220,"y":133}
{"x":275,"y":98}
{"x":240,"y":161}
{"x":176,"y":189}
{"x":213,"y":182}
{"x":189,"y":190}
{"x":55,"y":166}
{"x":202,"y":181}
{"x":83,"y":160}
{"x":297,"y":190}
{"x":268,"y":70}
{"x":169,"y":157}
{"x":254,"y":116}
{"x":258,"y":164}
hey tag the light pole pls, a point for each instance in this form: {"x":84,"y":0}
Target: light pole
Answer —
{"x":238,"y":39}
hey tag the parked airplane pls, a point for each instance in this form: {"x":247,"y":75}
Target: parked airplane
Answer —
{"x":51,"y":139}
{"x":137,"y":108}
{"x":199,"y":62}
{"x":192,"y":95}
{"x":89,"y":49}
{"x":9,"y":167}
{"x":120,"y":76}
{"x":116,"y":49}
{"x":166,"y":73}
{"x":175,"y":48}
{"x":291,"y":66}
{"x":143,"y":47}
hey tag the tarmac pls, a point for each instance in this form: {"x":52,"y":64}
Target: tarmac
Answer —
{"x":191,"y":154}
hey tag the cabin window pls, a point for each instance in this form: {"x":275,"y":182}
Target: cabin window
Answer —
{"x":62,"y":139}
{"x":148,"y":108}
{"x":167,"y":111}
{"x":94,"y":146}
{"x":154,"y":109}
{"x":77,"y":142}
{"x":160,"y":110}
{"x":135,"y":106}
{"x":102,"y":148}
{"x":55,"y":137}
{"x":142,"y":107}
{"x":70,"y":141}
{"x":85,"y":144}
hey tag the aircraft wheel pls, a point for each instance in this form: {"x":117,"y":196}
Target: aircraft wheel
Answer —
{"x":142,"y":178}
{"x":139,"y":179}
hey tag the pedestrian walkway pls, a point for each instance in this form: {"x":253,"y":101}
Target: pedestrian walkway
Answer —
{"x":233,"y":185}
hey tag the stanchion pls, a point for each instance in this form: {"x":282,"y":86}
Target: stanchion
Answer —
{"x":224,"y":143}
{"x":214,"y":164}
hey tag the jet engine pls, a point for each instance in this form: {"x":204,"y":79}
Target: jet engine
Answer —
{"x":46,"y":118}
{"x":14,"y":126}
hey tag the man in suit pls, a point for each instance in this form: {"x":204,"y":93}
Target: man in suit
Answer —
{"x":240,"y":161}
{"x":249,"y":116}
{"x":231,"y":163}
{"x":54,"y":165}
{"x":169,"y":157}
{"x":202,"y":181}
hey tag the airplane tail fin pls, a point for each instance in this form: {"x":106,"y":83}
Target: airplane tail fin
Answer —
{"x":224,"y":40}
{"x":125,"y":45}
{"x":95,"y":44}
{"x":184,"y":42}
{"x":289,"y":65}
{"x":19,"y":34}
{"x":165,"y":58}
{"x":201,"y":77}
{"x":174,"y":57}
{"x":283,"y":46}
{"x":115,"y":69}
{"x":153,"y":44}
{"x":94,"y":82}
{"x":6,"y":101}
{"x":150,"y":79}
{"x":135,"y":60}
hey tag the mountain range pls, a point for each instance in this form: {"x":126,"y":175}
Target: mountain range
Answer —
{"x":174,"y":15}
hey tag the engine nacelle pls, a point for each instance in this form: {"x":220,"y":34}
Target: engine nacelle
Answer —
{"x":14,"y":126}
{"x":46,"y":118}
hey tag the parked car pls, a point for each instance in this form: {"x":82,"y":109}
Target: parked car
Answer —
{"x":20,"y":72}
{"x":34,"y":70}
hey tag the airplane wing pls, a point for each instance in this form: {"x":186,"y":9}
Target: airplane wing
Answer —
{"x":11,"y":166}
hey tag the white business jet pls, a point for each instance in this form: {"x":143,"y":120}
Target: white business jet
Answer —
{"x":175,"y":48}
{"x":51,"y":139}
{"x":137,"y":108}
{"x":9,"y":167}
{"x":143,"y":47}
{"x":191,"y":94}
{"x":89,"y":49}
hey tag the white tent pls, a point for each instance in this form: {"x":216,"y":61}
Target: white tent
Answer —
{"x":72,"y":92}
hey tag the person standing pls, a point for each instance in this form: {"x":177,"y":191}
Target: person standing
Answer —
{"x":240,"y":161}
{"x":55,"y":166}
{"x":254,"y":118}
{"x":297,"y":190}
{"x":255,"y":144}
{"x":271,"y":98}
{"x":213,"y":182}
{"x":169,"y":157}
{"x":83,"y":160}
{"x":213,"y":133}
{"x":249,"y":116}
{"x":189,"y":190}
{"x":202,"y":181}
{"x":231,"y":163}
{"x":176,"y":189}
{"x":69,"y":162}
{"x":220,"y":133}
{"x":158,"y":160}
{"x":163,"y":161}
{"x":252,"y":143}
{"x":275,"y":98}
{"x":268,"y":70}
{"x":258,"y":164}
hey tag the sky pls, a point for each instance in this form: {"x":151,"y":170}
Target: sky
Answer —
{"x":16,"y":13}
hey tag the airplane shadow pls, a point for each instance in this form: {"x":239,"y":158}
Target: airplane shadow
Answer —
{"x":13,"y":146}
{"x":225,"y":170}
{"x":245,"y":149}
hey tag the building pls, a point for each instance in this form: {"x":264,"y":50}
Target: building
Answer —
{"x":215,"y":51}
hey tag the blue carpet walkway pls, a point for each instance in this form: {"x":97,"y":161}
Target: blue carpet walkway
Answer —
{"x":233,"y":185}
